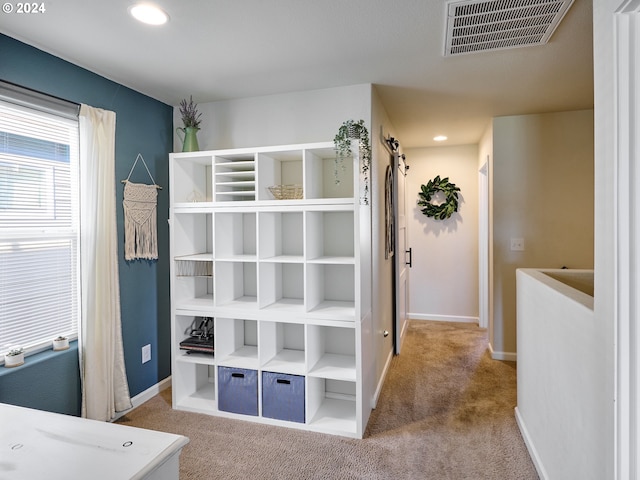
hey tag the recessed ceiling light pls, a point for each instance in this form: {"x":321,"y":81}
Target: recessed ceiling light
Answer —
{"x":147,"y":13}
{"x":440,"y":138}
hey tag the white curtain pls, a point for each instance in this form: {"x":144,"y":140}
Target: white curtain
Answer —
{"x":102,"y":370}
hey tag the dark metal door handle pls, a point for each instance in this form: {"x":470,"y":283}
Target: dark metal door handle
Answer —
{"x":410,"y":255}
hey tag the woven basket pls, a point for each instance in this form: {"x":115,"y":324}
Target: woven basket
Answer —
{"x":286,"y":192}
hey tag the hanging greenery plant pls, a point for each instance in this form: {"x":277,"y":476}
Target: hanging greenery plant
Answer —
{"x":348,"y":131}
{"x":443,"y":210}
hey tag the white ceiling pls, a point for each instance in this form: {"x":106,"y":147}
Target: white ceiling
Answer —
{"x":224,"y":49}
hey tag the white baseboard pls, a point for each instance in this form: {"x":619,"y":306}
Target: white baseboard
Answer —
{"x":385,"y":370}
{"x":145,"y":396}
{"x":443,"y":318}
{"x":507,"y":356}
{"x":533,"y":453}
{"x":403,"y":333}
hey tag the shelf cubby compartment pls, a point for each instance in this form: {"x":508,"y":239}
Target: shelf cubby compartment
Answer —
{"x":192,"y":234}
{"x":236,"y":284}
{"x":194,"y":387}
{"x":282,"y":347}
{"x":278,"y":168}
{"x":191,"y":180}
{"x":235,"y":235}
{"x":324,"y":178}
{"x":331,"y":352}
{"x":235,"y":178}
{"x":332,"y":379}
{"x":331,"y":406}
{"x":281,"y":237}
{"x":330,"y":237}
{"x":282,"y":286}
{"x":236,"y":343}
{"x":330,"y":291}
{"x":182,"y":328}
{"x":193,"y":294}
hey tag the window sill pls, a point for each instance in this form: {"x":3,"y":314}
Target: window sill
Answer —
{"x":40,"y":357}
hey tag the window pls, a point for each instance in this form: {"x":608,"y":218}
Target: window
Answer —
{"x":39,"y":225}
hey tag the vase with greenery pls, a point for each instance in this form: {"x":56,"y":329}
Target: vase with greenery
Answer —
{"x":191,"y":121}
{"x":349,"y":131}
{"x":14,"y":357}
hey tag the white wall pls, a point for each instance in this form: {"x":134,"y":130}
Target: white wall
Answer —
{"x":299,"y":117}
{"x":444,"y":276}
{"x":542,"y":186}
{"x":485,"y":156}
{"x":560,"y":401}
{"x":383,"y":303}
{"x":616,"y":458}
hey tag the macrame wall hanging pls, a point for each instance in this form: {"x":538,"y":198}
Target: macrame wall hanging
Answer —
{"x":140,"y":210}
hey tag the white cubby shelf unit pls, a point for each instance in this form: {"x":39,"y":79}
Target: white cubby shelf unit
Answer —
{"x":286,"y":282}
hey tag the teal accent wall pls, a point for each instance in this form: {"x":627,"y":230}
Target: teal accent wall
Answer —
{"x":143,"y":125}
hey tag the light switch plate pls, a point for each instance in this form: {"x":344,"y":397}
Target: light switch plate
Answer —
{"x":146,"y":353}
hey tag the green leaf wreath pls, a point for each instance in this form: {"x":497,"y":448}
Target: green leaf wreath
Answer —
{"x":443,"y":210}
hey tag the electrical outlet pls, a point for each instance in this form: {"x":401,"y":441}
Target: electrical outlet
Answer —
{"x":517,"y":244}
{"x":146,"y":353}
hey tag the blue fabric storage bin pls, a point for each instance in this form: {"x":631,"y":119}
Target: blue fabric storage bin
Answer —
{"x":238,"y":390}
{"x":283,"y":396}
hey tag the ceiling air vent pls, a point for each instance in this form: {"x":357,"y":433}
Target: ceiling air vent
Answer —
{"x":482,"y":25}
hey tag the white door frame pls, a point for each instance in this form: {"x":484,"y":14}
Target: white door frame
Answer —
{"x":483,"y":245}
{"x":617,"y":266}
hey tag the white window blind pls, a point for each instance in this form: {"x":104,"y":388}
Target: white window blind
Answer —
{"x":39,"y":230}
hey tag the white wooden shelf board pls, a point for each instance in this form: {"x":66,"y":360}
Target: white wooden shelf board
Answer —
{"x":248,"y":174}
{"x":191,"y":205}
{"x":241,"y":303}
{"x":237,"y":193}
{"x":239,"y":165}
{"x":196,"y":257}
{"x":236,"y":183}
{"x":286,"y":361}
{"x":336,"y":367}
{"x":195,"y":358}
{"x":335,"y":309}
{"x":194,"y":157}
{"x":311,"y":204}
{"x":333,"y":260}
{"x":338,"y":204}
{"x":201,"y":400}
{"x":244,"y":357}
{"x":292,"y":305}
{"x":284,"y":259}
{"x":336,"y":415}
{"x":204,"y":304}
{"x":237,"y":258}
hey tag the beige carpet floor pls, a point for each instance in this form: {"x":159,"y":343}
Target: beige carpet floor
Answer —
{"x":446,"y":411}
